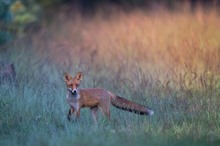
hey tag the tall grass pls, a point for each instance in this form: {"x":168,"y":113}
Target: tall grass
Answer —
{"x":167,"y":61}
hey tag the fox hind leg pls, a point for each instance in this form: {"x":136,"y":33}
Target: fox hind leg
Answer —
{"x":105,"y":109}
{"x":94,"y":112}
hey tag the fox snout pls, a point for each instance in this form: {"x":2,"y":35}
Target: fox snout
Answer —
{"x":73,"y":91}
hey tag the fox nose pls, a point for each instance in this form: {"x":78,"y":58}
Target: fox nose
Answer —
{"x":74,"y":91}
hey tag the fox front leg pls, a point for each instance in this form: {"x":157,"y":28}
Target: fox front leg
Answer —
{"x":71,"y":111}
{"x":77,"y":114}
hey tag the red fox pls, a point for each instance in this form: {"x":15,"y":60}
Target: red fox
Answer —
{"x":97,"y":99}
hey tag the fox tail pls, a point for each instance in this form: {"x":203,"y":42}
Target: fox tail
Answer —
{"x":130,"y":106}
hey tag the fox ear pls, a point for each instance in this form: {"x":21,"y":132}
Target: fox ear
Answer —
{"x":79,"y":76}
{"x":67,"y":77}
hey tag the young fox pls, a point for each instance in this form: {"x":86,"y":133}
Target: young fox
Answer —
{"x":97,"y":99}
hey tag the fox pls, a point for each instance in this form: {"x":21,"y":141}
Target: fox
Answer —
{"x":96,"y":99}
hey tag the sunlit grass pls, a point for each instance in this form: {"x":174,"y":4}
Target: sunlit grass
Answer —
{"x":178,"y":39}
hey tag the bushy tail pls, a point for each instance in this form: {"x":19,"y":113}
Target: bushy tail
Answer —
{"x":130,"y":106}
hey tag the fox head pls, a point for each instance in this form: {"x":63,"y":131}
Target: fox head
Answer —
{"x":73,"y":83}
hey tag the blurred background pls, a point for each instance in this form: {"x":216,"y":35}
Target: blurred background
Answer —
{"x":157,"y":34}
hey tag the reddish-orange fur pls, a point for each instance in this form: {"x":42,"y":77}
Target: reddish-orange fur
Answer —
{"x":97,"y":98}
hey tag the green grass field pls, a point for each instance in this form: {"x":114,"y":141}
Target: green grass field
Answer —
{"x":166,"y":61}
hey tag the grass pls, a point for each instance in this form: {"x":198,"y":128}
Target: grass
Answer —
{"x":167,"y":61}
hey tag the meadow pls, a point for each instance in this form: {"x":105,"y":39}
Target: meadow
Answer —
{"x":167,"y":61}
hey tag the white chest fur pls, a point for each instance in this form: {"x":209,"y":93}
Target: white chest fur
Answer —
{"x":73,"y":99}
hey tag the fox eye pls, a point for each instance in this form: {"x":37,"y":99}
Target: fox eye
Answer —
{"x":70,"y":85}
